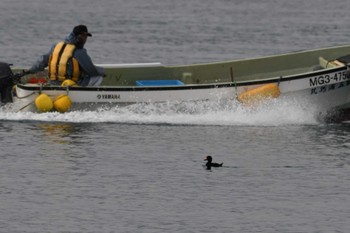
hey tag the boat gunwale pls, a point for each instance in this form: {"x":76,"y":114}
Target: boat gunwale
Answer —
{"x":186,"y":86}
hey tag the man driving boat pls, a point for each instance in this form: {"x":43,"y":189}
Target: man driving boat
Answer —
{"x":69,"y":59}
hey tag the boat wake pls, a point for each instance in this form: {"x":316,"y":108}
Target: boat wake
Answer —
{"x":274,"y":112}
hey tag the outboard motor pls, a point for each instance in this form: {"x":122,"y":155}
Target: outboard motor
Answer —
{"x":6,"y":83}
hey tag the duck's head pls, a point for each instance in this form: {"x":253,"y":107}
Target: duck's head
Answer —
{"x":208,"y":158}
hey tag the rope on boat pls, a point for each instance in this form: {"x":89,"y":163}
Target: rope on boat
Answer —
{"x":233,"y":81}
{"x":25,"y":106}
{"x":231,"y":74}
{"x":279,"y":81}
{"x":26,"y":96}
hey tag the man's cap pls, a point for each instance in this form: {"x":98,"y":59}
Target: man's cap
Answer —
{"x":80,"y":29}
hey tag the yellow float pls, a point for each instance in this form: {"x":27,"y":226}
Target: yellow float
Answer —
{"x":43,"y":103}
{"x":62,"y":103}
{"x":68,"y":83}
{"x":259,"y":94}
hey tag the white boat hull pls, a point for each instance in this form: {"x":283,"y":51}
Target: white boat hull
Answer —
{"x":326,"y":93}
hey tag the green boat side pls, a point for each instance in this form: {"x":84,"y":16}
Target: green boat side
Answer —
{"x":228,"y":71}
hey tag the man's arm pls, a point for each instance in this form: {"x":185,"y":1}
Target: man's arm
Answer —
{"x":41,"y":63}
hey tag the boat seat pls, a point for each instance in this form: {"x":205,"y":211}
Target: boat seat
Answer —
{"x":329,"y":64}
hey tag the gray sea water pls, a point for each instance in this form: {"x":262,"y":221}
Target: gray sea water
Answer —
{"x":140,"y":168}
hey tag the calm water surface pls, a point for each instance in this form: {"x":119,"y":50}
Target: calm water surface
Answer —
{"x":88,"y":177}
{"x":140,"y":168}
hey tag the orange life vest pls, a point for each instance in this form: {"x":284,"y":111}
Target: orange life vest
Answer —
{"x":58,"y":63}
